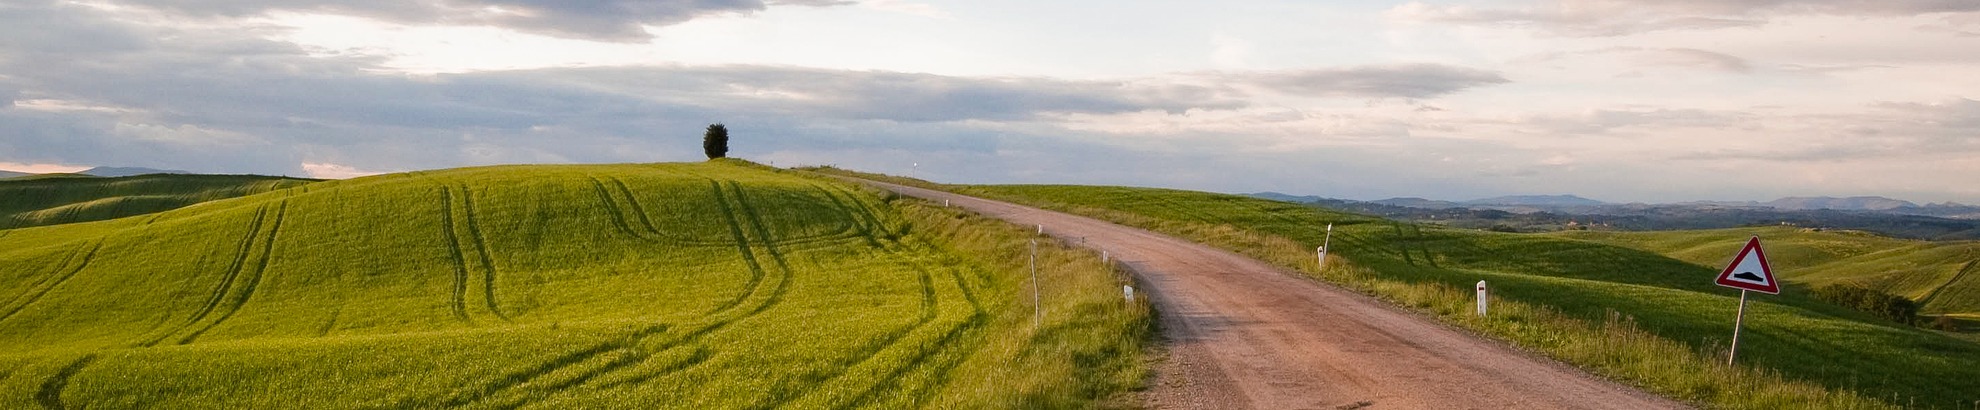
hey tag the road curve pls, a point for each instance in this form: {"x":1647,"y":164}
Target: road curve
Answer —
{"x":1245,"y":334}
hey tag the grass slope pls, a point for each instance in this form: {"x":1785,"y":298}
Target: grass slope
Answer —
{"x":68,"y":198}
{"x":1937,"y":274}
{"x":1631,"y":314}
{"x":709,"y":285}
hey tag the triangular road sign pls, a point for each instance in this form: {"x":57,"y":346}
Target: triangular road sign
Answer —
{"x":1749,"y":271}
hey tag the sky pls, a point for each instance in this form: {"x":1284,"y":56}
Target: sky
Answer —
{"x":1616,"y":100}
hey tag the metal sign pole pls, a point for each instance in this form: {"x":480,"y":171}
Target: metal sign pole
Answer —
{"x":1739,"y":319}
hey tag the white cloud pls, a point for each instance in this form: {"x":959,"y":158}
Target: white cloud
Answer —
{"x":324,"y":170}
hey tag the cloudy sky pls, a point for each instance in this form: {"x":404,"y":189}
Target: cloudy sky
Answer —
{"x":1619,"y":100}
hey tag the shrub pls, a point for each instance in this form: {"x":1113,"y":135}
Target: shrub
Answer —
{"x":1885,"y":305}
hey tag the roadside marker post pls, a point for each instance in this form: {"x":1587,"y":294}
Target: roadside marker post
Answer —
{"x":1481,"y":298}
{"x":1036,"y":314}
{"x":1128,"y":292}
{"x":1041,"y":229}
{"x":1323,"y":246}
{"x":1748,"y":271}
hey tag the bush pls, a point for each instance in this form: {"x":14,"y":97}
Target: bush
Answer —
{"x":1885,"y":305}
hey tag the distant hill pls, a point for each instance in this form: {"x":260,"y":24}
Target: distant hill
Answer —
{"x":1855,"y":203}
{"x":11,"y":174}
{"x":53,"y":199}
{"x":1948,"y":221}
{"x":113,"y":172}
{"x":1540,"y":200}
{"x":1418,"y":203}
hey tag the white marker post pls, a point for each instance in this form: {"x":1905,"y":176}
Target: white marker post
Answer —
{"x":1128,"y":292}
{"x":1481,"y":298}
{"x":945,"y":203}
{"x":1036,"y":314}
{"x":1041,"y":229}
{"x":1323,"y":246}
{"x":1103,"y":257}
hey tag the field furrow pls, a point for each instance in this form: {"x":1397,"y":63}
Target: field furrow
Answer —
{"x":241,"y":253}
{"x":50,"y":393}
{"x":64,"y":278}
{"x":253,"y":282}
{"x":488,"y":272}
{"x":54,"y":271}
{"x":1955,"y":279}
{"x":459,"y":297}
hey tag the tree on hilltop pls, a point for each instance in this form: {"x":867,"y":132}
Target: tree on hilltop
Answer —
{"x":715,"y":142}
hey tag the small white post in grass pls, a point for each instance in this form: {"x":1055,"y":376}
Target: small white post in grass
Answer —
{"x":1103,"y":258}
{"x":1036,"y":314}
{"x":1041,"y":229}
{"x":945,"y":203}
{"x":1128,"y":292}
{"x":1481,"y":298}
{"x":1323,"y":246}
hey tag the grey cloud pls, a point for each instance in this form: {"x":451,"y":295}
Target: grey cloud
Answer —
{"x":1597,"y":18}
{"x":214,"y":100}
{"x":1604,"y":121}
{"x":605,"y":20}
{"x":881,"y":95}
{"x":1383,"y":81}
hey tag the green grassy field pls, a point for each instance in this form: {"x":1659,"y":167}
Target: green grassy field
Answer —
{"x":1626,"y":313}
{"x":707,"y":285}
{"x":1939,"y":275}
{"x":38,"y":200}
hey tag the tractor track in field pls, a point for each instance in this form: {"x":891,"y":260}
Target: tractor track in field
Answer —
{"x":488,"y":272}
{"x":631,"y":354}
{"x":1242,"y":333}
{"x":241,"y":252}
{"x":1963,"y":271}
{"x":459,"y":297}
{"x":49,"y":396}
{"x":943,"y":343}
{"x":53,"y":273}
{"x":36,"y":294}
{"x":260,"y":272}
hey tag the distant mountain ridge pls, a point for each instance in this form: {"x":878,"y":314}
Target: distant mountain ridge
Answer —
{"x":106,"y":172}
{"x":113,"y":172}
{"x":1542,"y":200}
{"x":1539,"y":213}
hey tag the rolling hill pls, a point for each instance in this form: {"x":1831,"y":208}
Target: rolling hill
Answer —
{"x":1938,"y":275}
{"x":1627,"y":313}
{"x":706,"y":285}
{"x":60,"y":198}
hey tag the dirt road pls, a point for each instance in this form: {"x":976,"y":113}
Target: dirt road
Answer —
{"x":1244,"y":334}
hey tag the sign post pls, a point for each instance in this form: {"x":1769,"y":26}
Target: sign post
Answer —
{"x":1747,"y":272}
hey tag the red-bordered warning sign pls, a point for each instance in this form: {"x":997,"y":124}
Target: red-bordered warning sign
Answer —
{"x":1749,"y":271}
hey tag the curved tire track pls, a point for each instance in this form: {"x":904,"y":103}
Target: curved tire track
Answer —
{"x":37,"y":294}
{"x":459,"y":297}
{"x":260,"y":272}
{"x":481,"y":250}
{"x":243,"y":249}
{"x":49,"y":396}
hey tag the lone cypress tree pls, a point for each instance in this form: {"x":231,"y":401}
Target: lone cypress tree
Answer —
{"x":716,"y":141}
